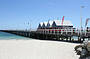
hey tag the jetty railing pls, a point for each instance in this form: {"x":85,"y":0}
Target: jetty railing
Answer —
{"x":70,"y":31}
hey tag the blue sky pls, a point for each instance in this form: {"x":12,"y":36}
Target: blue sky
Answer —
{"x":15,"y":14}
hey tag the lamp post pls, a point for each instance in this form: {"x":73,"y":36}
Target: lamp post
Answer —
{"x":29,"y":23}
{"x":81,"y":19}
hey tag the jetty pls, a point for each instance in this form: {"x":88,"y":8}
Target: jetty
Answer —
{"x":60,"y":30}
{"x":53,"y":34}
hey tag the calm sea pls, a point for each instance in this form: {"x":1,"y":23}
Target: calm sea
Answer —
{"x":8,"y":36}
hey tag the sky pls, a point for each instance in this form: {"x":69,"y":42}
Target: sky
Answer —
{"x":23,"y":14}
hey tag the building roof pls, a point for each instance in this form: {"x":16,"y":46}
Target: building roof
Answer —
{"x":49,"y":24}
{"x":41,"y":23}
{"x":55,"y":23}
{"x":44,"y":24}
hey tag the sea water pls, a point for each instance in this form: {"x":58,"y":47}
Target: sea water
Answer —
{"x":8,"y":36}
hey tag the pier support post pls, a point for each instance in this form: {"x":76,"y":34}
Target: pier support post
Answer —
{"x":62,"y":39}
{"x":67,"y":39}
{"x":70,"y":39}
{"x":46,"y":37}
{"x":83,"y":39}
{"x":79,"y":39}
{"x":29,"y":34}
{"x":57,"y":38}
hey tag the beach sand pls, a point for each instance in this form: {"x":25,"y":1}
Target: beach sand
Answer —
{"x":36,"y":49}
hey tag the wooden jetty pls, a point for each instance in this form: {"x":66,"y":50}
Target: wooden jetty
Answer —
{"x":53,"y":34}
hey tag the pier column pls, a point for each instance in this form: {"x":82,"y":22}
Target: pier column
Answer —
{"x":67,"y":39}
{"x":29,"y":34}
{"x":70,"y":39}
{"x":79,"y":39}
{"x":46,"y":37}
{"x":83,"y":39}
{"x":73,"y":40}
{"x":62,"y":39}
{"x":57,"y":37}
{"x":25,"y":34}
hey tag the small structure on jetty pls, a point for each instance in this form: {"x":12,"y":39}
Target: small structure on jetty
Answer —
{"x":57,"y":26}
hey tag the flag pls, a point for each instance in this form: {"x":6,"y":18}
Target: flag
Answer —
{"x":87,"y":21}
{"x":62,"y":20}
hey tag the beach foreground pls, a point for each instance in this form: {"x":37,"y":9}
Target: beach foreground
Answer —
{"x":36,"y":49}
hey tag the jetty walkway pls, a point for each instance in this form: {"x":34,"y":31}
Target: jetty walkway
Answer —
{"x":53,"y":34}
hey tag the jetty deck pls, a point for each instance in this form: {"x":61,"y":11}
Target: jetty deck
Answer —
{"x":53,"y":34}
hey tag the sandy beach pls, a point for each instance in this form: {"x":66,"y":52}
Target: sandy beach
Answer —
{"x":36,"y":49}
